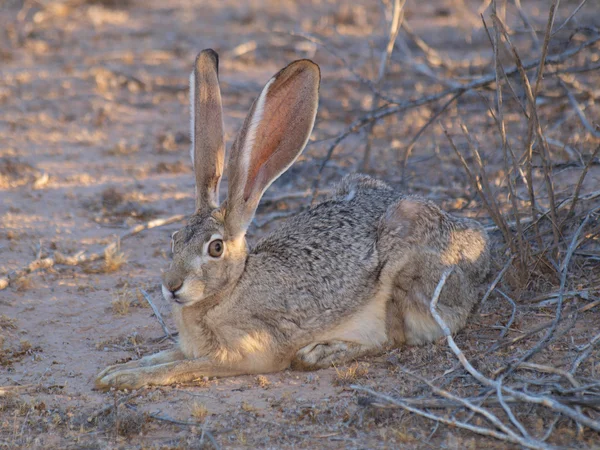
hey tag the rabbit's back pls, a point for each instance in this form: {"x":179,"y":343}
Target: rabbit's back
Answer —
{"x":362,"y":266}
{"x":321,"y":265}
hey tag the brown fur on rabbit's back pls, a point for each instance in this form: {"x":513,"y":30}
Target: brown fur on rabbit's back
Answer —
{"x":337,"y":265}
{"x":320,"y":266}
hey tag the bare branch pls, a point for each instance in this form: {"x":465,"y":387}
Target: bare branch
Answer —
{"x":512,"y":315}
{"x":157,"y":315}
{"x":588,"y":126}
{"x":492,"y":286}
{"x":580,"y":182}
{"x":543,"y":400}
{"x":568,"y":19}
{"x":386,"y":54}
{"x":404,"y":105}
{"x":563,"y":281}
{"x":452,"y":422}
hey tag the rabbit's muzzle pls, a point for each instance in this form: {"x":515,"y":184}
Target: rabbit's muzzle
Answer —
{"x":172,"y":283}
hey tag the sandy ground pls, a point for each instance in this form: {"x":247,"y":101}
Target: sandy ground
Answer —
{"x":94,"y":140}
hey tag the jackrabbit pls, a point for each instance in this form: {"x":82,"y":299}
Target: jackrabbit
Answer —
{"x":350,"y":276}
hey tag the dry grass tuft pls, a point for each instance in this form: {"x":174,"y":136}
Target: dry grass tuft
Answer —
{"x":247,"y":407}
{"x":125,"y":298}
{"x":170,"y":142}
{"x":111,"y":197}
{"x":263,"y":381}
{"x":121,"y":304}
{"x":404,"y":436}
{"x":199,"y":410}
{"x":174,"y":167}
{"x":12,"y":235}
{"x":15,"y":173}
{"x":350,"y":374}
{"x":11,"y":401}
{"x":241,"y":437}
{"x":25,"y":345}
{"x":12,"y":352}
{"x":131,"y":423}
{"x":123,"y":149}
{"x":24,"y":284}
{"x":126,"y":343}
{"x":126,"y":422}
{"x":7,"y":323}
{"x":113,"y":259}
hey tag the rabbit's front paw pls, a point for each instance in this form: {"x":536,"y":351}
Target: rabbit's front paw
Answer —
{"x":108,"y":371}
{"x":118,"y":367}
{"x":120,"y":379}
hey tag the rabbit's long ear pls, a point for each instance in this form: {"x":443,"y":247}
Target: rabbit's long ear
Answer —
{"x":273,"y":135}
{"x":208,"y":146}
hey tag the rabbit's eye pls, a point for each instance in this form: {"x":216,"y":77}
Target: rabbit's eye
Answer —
{"x":215,"y":248}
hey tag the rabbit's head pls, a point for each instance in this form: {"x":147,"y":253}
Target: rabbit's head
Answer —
{"x":209,"y":253}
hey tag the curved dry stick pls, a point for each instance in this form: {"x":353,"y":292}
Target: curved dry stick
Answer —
{"x":157,"y":314}
{"x":561,"y":291}
{"x":542,"y":400}
{"x":496,"y":280}
{"x":452,"y":422}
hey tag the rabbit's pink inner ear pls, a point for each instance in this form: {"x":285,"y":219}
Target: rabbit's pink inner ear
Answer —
{"x":284,"y":118}
{"x":208,"y":150}
{"x":273,"y":136}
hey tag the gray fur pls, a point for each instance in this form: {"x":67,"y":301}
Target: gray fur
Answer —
{"x":351,"y":275}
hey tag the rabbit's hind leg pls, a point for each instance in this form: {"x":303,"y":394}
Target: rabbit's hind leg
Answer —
{"x":409,"y":318}
{"x":319,"y":355}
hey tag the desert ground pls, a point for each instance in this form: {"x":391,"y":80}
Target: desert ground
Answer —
{"x":95,"y":176}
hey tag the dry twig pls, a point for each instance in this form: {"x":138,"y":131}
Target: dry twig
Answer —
{"x":157,"y":314}
{"x":492,"y":286}
{"x":534,"y":125}
{"x":400,"y":106}
{"x":563,"y":281}
{"x":80,"y":257}
{"x":452,"y":421}
{"x":542,"y":400}
{"x":585,"y":122}
{"x":386,"y":55}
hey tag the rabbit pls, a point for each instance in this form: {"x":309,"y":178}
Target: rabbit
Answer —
{"x":348,"y":277}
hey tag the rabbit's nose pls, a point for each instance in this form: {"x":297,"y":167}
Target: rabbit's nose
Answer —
{"x":172,"y":282}
{"x":175,"y":288}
